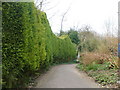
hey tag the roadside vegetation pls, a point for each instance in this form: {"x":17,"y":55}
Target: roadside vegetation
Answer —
{"x":97,"y":54}
{"x":29,"y":46}
{"x":98,"y":57}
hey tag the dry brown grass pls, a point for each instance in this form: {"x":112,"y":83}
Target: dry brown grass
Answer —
{"x":106,"y":52}
{"x":89,"y":57}
{"x":107,"y":45}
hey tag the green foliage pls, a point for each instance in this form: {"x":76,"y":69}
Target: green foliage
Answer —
{"x":100,"y":72}
{"x":64,"y":49}
{"x":94,"y":66}
{"x":105,"y":77}
{"x":73,"y":36}
{"x":29,"y":44}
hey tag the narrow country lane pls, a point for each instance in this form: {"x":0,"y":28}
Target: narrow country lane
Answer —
{"x":65,"y":76}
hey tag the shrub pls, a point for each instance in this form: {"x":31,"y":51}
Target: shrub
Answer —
{"x":29,"y":44}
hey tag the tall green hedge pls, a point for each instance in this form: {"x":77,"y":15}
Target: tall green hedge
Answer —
{"x":29,"y":44}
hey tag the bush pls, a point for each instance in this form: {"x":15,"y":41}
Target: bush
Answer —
{"x":29,"y":44}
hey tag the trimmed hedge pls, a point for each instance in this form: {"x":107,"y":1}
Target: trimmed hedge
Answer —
{"x":28,"y":44}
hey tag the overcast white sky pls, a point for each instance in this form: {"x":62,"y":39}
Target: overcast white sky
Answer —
{"x":82,"y":12}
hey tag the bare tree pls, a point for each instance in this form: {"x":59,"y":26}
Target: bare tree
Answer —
{"x":63,"y":17}
{"x":85,"y":28}
{"x":45,"y":5}
{"x":111,"y":28}
{"x":108,"y":27}
{"x":40,"y":4}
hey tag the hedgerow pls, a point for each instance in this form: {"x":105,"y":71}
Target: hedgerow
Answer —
{"x":28,"y":43}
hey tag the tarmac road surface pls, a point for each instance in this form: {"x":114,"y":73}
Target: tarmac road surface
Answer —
{"x":65,"y":76}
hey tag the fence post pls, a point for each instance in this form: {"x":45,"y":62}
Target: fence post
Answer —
{"x":119,"y":43}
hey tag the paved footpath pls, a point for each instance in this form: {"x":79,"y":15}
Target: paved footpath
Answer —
{"x":65,"y":76}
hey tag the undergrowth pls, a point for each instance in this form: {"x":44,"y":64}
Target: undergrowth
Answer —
{"x":102,"y":73}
